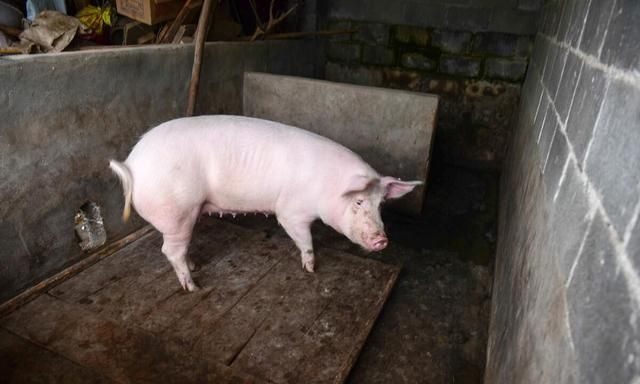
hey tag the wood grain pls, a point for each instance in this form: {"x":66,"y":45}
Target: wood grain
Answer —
{"x":258,"y":317}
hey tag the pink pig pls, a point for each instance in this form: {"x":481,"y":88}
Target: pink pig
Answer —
{"x":187,"y":167}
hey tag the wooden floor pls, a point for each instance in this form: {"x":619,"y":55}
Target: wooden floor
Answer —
{"x":258,"y":318}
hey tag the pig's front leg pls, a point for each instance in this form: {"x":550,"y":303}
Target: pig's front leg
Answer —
{"x":300,"y":233}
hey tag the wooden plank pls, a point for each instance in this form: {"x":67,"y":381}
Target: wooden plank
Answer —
{"x":21,"y":361}
{"x":73,"y":270}
{"x":168,"y":34}
{"x":349,"y":296}
{"x":283,"y":293}
{"x":118,"y":352}
{"x":252,"y":259}
{"x":153,"y":299}
{"x":133,"y":296}
{"x":258,"y":312}
{"x":223,"y":283}
{"x":125,"y":263}
{"x":68,"y":330}
{"x":129,"y":286}
{"x":185,"y":31}
{"x":345,"y":322}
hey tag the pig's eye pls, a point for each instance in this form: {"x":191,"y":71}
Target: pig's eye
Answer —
{"x":359,"y":202}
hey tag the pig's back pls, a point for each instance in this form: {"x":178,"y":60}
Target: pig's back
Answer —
{"x":237,"y":162}
{"x":233,"y":139}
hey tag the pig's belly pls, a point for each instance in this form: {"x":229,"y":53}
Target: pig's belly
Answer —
{"x":234,"y":204}
{"x":211,"y":209}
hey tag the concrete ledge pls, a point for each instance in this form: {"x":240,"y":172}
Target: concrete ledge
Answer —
{"x":392,"y":130}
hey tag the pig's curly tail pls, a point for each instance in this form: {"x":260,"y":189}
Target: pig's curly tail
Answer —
{"x":124,"y":174}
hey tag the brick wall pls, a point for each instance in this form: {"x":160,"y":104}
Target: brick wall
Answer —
{"x":566,"y":299}
{"x":474,"y":54}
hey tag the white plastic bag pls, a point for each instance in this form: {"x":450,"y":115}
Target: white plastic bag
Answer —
{"x":34,"y":7}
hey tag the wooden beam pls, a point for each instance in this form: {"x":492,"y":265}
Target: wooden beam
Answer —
{"x":166,"y":35}
{"x":297,"y":35}
{"x":201,"y":34}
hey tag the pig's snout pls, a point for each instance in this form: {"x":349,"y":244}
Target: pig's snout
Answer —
{"x":379,"y":243}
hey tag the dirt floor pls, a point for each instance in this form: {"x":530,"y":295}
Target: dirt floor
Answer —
{"x":434,"y":327}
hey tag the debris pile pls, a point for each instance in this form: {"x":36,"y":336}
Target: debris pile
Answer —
{"x":48,"y":28}
{"x":89,"y":227}
{"x":57,"y":25}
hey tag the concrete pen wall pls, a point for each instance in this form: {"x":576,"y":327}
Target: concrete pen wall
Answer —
{"x":566,"y":294}
{"x":63,"y":116}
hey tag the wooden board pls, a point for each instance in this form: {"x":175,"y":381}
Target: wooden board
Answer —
{"x":24,"y":362}
{"x":258,"y":316}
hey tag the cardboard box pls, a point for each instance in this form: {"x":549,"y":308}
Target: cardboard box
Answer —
{"x":149,"y":11}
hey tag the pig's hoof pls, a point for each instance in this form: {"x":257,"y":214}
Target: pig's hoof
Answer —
{"x":308,"y":266}
{"x":188,"y":284}
{"x":191,"y":287}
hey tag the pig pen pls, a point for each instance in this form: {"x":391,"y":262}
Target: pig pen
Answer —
{"x":114,"y":312}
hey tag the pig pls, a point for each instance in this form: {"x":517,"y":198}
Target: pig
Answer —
{"x":224,"y":164}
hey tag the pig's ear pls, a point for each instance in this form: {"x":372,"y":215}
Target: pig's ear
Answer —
{"x":358,"y":183}
{"x":395,"y":188}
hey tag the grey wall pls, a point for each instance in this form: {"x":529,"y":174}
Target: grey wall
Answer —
{"x":474,"y":54}
{"x":392,"y":130}
{"x":64,"y":115}
{"x":566,"y":300}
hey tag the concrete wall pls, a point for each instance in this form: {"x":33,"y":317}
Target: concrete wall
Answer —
{"x":566,"y":300}
{"x":474,"y":54}
{"x":64,"y":115}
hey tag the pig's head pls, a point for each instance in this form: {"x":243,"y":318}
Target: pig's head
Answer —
{"x":360,"y":220}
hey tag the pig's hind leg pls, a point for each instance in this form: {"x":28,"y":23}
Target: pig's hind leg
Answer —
{"x":175,"y":248}
{"x":300,"y":232}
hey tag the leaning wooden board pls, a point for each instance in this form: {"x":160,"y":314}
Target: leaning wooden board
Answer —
{"x":258,"y":317}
